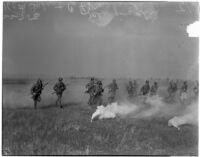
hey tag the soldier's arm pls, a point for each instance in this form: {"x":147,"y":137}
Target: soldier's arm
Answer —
{"x":87,"y":85}
{"x":32,"y":91}
{"x":64,"y":86}
{"x":55,"y":87}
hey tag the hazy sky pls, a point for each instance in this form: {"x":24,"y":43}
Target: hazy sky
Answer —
{"x":138,"y":40}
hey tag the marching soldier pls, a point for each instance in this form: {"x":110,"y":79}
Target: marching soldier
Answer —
{"x":172,"y":88}
{"x":183,"y":91}
{"x":98,"y":90}
{"x":175,"y":87}
{"x":184,"y":87}
{"x":130,"y":89}
{"x":36,"y":91}
{"x":145,"y":88}
{"x":169,"y":89}
{"x":113,"y":87}
{"x":59,"y":88}
{"x":196,"y":89}
{"x":154,"y":89}
{"x":90,"y":90}
{"x":134,"y":88}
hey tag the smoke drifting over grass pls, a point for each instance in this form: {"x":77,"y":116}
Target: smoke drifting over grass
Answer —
{"x":185,"y":111}
{"x":151,"y":107}
{"x":188,"y":116}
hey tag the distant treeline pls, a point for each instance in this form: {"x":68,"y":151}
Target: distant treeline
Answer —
{"x":16,"y":81}
{"x":29,"y":80}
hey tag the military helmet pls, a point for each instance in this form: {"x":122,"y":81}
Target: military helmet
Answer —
{"x":60,"y":79}
{"x":39,"y":80}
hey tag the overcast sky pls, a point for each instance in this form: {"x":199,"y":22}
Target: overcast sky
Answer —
{"x":137,"y":40}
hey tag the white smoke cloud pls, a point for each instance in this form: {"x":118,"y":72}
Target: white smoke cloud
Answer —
{"x":188,"y":116}
{"x":114,"y":109}
{"x":152,"y":107}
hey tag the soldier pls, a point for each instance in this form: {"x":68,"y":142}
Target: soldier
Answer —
{"x":184,"y":87}
{"x":172,"y":89}
{"x":130,"y":89}
{"x":36,"y":91}
{"x":90,"y":90}
{"x":59,"y":88}
{"x":196,"y":89}
{"x":134,"y":88}
{"x":175,"y":87}
{"x":145,"y":88}
{"x":113,"y":87}
{"x":98,"y":90}
{"x":154,"y":89}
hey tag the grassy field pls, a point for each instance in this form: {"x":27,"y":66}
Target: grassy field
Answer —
{"x":54,"y":131}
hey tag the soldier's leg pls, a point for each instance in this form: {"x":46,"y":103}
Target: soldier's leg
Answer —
{"x":92,"y":100}
{"x":57,"y":100}
{"x":89,"y":101}
{"x":35,"y":104}
{"x":110,"y":98}
{"x":60,"y":97}
{"x":100,"y":100}
{"x":35,"y":99}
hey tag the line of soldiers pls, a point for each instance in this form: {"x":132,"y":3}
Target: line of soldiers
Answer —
{"x":145,"y":89}
{"x":38,"y":87}
{"x":95,"y":90}
{"x":183,"y":90}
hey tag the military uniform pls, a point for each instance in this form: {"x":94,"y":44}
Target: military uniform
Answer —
{"x":196,"y":89}
{"x":154,"y":89}
{"x":90,"y":90}
{"x":183,"y":91}
{"x":172,"y":88}
{"x":36,"y":91}
{"x":145,"y":88}
{"x":98,"y":90}
{"x":135,"y":88}
{"x":113,"y":87}
{"x":184,"y":87}
{"x":130,"y":89}
{"x":59,"y":88}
